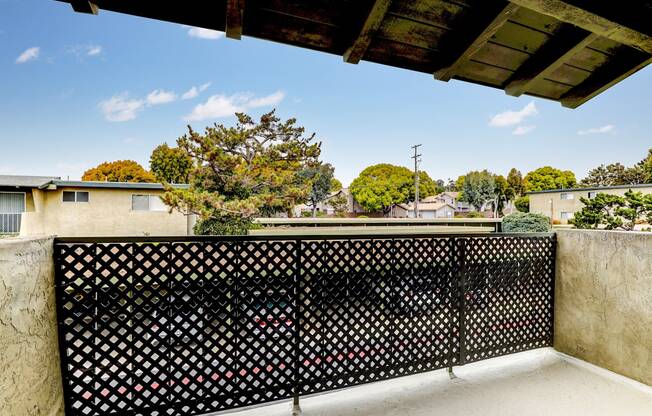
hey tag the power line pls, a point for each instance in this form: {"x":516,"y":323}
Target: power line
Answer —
{"x":416,"y":179}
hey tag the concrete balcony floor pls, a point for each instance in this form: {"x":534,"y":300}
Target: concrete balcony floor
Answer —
{"x":541,"y":382}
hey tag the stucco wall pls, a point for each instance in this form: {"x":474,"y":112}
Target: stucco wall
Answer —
{"x":603,"y":305}
{"x":30,"y":376}
{"x":107,"y":213}
{"x":540,"y":203}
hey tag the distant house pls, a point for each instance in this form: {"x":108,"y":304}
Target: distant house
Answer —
{"x":73,"y":208}
{"x":352,"y":206}
{"x":451,"y":198}
{"x":426,"y":210}
{"x":562,"y":204}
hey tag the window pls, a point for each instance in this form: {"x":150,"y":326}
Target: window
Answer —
{"x":147,"y":203}
{"x":567,"y":196}
{"x":592,"y":194}
{"x":566,"y":215}
{"x":75,"y":196}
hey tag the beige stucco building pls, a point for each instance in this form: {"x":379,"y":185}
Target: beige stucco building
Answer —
{"x":75,"y":208}
{"x":562,"y":204}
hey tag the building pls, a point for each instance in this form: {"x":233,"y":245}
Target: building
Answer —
{"x":51,"y":206}
{"x":562,"y":204}
{"x":426,"y":210}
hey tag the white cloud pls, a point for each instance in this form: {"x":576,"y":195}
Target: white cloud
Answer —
{"x":521,"y":130}
{"x":28,"y":55}
{"x":512,"y":118}
{"x":121,"y":108}
{"x":218,"y":106}
{"x":597,"y":130}
{"x":199,"y":32}
{"x":191,"y":93}
{"x":93,"y":50}
{"x":157,"y":97}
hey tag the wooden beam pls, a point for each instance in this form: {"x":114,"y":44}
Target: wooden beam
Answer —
{"x":622,"y":66}
{"x":464,"y":51}
{"x":354,"y":54}
{"x":565,"y":44}
{"x":234,"y":16}
{"x":626,"y":21}
{"x":81,"y":6}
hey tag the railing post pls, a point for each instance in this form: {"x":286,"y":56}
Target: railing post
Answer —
{"x":296,"y":409}
{"x":461,"y":261}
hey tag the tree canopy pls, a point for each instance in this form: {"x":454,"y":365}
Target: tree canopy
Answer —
{"x":321,"y":179}
{"x":118,"y":171}
{"x":378,"y":187}
{"x":479,"y":188}
{"x":170,"y":164}
{"x":336,"y":185}
{"x":514,"y":184}
{"x":614,"y":211}
{"x":547,"y":177}
{"x":252,"y":168}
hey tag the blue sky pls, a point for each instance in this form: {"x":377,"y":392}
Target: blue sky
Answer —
{"x":77,"y":90}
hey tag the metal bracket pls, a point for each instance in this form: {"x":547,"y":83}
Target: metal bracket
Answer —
{"x":451,"y":374}
{"x":296,"y":409}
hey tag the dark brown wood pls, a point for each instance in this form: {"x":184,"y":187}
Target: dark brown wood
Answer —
{"x":627,"y":63}
{"x":234,"y":16}
{"x":354,"y":54}
{"x":627,"y":21}
{"x":81,"y":6}
{"x":569,"y":41}
{"x":468,"y":50}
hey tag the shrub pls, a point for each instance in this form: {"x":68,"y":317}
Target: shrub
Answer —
{"x":526,"y":222}
{"x":522,"y":203}
{"x":474,"y":214}
{"x":225,"y":226}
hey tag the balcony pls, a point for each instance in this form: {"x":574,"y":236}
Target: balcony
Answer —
{"x":345,"y":325}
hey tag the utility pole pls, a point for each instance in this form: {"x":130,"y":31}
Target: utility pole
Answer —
{"x":416,"y":179}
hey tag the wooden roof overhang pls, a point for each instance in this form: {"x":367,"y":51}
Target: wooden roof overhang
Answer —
{"x":564,"y":50}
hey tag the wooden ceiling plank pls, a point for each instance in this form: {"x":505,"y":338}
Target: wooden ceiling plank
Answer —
{"x":87,"y":7}
{"x":234,"y":16}
{"x":372,"y":23}
{"x":605,"y":77}
{"x":448,"y":72}
{"x":627,"y":25}
{"x":568,"y":42}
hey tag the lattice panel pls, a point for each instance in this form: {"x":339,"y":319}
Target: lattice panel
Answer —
{"x":509,"y":290}
{"x":192,"y":326}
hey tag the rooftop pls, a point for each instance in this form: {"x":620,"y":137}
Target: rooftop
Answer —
{"x":564,"y":50}
{"x":21,"y":181}
{"x":593,"y":188}
{"x":106,"y":185}
{"x":539,"y":382}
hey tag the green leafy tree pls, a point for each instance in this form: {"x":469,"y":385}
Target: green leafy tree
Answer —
{"x":253,"y":168}
{"x":514,"y":184}
{"x":614,"y":174}
{"x":522,"y":203}
{"x":479,"y":188}
{"x":378,"y":187}
{"x":170,"y":164}
{"x":320,"y":178}
{"x":646,"y":167}
{"x":547,"y":177}
{"x":339,"y":204}
{"x":336,"y":185}
{"x":614,"y":211}
{"x":459,"y":183}
{"x":501,"y":191}
{"x":118,"y":171}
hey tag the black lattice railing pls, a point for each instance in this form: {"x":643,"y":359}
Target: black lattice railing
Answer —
{"x":185,"y":326}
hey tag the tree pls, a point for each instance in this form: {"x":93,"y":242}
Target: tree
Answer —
{"x":501,"y":190}
{"x":646,"y":167}
{"x":378,"y":187}
{"x":548,"y":178}
{"x":479,"y":188}
{"x":522,"y":203}
{"x":514,"y":184}
{"x":440,"y":186}
{"x":614,"y":211}
{"x":336,"y":185}
{"x":118,"y":171}
{"x":320,"y":178}
{"x":459,"y":183}
{"x":339,"y":204}
{"x":614,"y":174}
{"x":170,"y":164}
{"x":253,"y":168}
